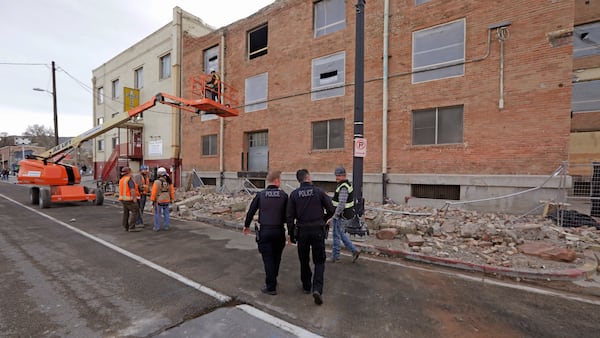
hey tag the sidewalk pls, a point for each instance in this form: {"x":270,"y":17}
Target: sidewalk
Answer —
{"x":584,"y":272}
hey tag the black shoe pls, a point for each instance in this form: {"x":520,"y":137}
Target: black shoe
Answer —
{"x":134,"y":229}
{"x":306,"y":292}
{"x":266,"y":291}
{"x":318,"y":298}
{"x":355,"y":255}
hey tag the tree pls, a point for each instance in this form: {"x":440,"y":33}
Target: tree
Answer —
{"x":44,"y":137}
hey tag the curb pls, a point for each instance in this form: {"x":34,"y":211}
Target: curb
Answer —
{"x":583,"y":272}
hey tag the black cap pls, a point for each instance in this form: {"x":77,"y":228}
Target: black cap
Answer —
{"x":340,"y":171}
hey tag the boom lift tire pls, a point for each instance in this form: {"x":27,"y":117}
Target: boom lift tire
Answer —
{"x":34,"y":195}
{"x":45,"y":198}
{"x":99,"y":197}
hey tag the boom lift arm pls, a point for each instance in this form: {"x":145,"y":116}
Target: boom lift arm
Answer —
{"x":60,"y":180}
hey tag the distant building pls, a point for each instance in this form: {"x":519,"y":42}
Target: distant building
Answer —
{"x":151,"y":66}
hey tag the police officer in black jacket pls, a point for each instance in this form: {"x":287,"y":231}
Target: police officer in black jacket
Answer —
{"x":270,"y":237}
{"x":308,"y":210}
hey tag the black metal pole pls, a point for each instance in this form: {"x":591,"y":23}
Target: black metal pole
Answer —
{"x":54,"y":104}
{"x":357,"y":163}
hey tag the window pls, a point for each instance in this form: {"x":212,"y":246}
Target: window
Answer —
{"x":115,"y":89}
{"x":420,"y":2}
{"x":100,"y":95}
{"x":441,"y":48}
{"x":165,"y":66}
{"x":328,"y":76}
{"x":256,"y":92}
{"x":101,"y":145}
{"x":585,"y":96}
{"x":330,"y":16}
{"x":211,"y":59}
{"x":100,"y":121}
{"x":139,"y":78}
{"x":209,"y":145}
{"x":437,"y":126}
{"x":115,"y":143}
{"x":328,"y":134}
{"x":257,"y":42}
{"x":586,"y":40}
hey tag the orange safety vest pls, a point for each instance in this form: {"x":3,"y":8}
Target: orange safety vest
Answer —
{"x":124,"y":190}
{"x":162,"y":192}
{"x":144,"y":184}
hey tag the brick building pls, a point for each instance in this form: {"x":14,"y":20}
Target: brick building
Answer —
{"x":463,"y":99}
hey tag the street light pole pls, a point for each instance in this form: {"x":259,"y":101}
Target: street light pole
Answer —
{"x":54,"y":103}
{"x":53,"y":92}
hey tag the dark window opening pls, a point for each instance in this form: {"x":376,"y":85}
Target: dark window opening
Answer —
{"x":328,"y":74}
{"x":435,"y":191}
{"x":258,"y":42}
{"x":209,"y":180}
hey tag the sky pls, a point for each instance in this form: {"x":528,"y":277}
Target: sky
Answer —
{"x":79,"y":36}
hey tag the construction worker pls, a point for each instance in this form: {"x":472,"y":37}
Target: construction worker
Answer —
{"x":128,"y":195}
{"x":214,"y":85}
{"x":308,"y":210}
{"x":343,"y":201}
{"x":142,"y":179}
{"x":163,"y":194}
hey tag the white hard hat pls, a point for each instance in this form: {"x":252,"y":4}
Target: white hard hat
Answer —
{"x":161,"y":171}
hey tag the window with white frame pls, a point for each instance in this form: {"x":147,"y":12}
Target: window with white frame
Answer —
{"x":100,"y":144}
{"x":115,"y":89}
{"x":256,"y":91}
{"x":328,"y":134}
{"x":328,"y":76}
{"x":437,"y":126}
{"x":439,"y":52}
{"x":115,"y":143}
{"x":211,"y":59}
{"x":586,"y":96}
{"x":100,"y":95}
{"x":330,"y":16}
{"x":165,"y":66}
{"x":209,"y":145}
{"x":258,"y":39}
{"x":99,"y":121}
{"x":138,"y":78}
{"x":586,"y":40}
{"x":419,"y":2}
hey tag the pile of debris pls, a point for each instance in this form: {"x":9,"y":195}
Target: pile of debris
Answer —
{"x":529,"y":242}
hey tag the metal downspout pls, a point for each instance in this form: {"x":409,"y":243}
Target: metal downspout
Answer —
{"x":384,"y":132}
{"x":221,"y":119}
{"x":178,"y":91}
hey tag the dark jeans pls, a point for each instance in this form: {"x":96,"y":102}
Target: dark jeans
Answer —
{"x":270,"y":246}
{"x":130,"y":212}
{"x":142,"y":204}
{"x":311,"y":237}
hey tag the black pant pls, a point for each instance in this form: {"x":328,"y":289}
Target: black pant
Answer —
{"x":270,"y":245}
{"x":312,"y":237}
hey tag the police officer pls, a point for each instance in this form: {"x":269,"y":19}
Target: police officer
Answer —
{"x":272,"y":203}
{"x":308,"y":210}
{"x":343,"y":201}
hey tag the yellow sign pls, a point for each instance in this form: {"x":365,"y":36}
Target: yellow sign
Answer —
{"x":132,"y":98}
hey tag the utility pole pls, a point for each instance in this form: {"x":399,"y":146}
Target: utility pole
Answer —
{"x":54,"y":103}
{"x":359,"y":84}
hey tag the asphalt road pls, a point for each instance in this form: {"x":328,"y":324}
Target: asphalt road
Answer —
{"x":77,"y":273}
